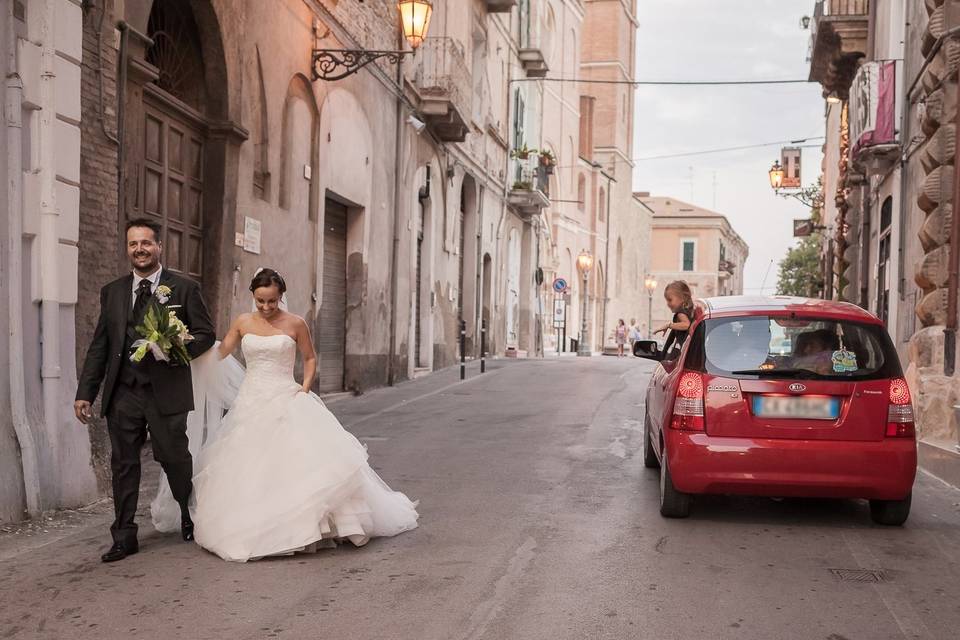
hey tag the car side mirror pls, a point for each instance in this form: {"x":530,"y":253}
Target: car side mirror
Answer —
{"x":647,"y":349}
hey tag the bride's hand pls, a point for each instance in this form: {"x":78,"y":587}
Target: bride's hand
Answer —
{"x":304,"y":390}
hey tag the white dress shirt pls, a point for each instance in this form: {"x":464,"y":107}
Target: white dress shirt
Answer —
{"x":154,"y":279}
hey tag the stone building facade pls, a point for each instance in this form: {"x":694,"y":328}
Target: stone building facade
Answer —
{"x":888,"y":69}
{"x":44,"y":453}
{"x":695,"y":245}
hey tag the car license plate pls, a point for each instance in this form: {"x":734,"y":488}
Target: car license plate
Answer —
{"x":787,"y":407}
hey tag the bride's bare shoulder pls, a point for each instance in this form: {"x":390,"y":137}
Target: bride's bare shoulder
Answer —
{"x":242,"y":320}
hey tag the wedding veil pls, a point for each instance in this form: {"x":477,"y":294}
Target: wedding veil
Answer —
{"x":215,"y":385}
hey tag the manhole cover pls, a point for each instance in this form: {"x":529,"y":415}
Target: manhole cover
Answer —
{"x":859,"y":575}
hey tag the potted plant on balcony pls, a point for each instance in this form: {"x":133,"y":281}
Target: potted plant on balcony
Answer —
{"x":522,"y":153}
{"x":547,"y":160}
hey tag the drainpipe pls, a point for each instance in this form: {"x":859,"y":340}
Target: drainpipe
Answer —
{"x":865,"y":247}
{"x":23,"y":429}
{"x":395,"y":247}
{"x":478,"y":286}
{"x":606,"y":261}
{"x":49,"y":232}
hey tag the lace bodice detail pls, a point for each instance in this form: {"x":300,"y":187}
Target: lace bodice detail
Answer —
{"x":270,"y":359}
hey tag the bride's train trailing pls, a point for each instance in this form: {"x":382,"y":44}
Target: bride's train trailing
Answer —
{"x":278,"y":473}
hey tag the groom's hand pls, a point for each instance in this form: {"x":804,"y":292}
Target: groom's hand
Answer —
{"x":82,"y":409}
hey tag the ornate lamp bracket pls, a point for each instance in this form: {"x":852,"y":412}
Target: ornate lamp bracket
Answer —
{"x":336,"y":64}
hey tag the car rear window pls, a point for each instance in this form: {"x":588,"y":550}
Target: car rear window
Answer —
{"x":791,"y":347}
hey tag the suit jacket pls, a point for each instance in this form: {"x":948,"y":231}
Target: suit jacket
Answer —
{"x":172,"y":385}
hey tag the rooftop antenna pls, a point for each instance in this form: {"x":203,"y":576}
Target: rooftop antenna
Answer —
{"x":764,"y":283}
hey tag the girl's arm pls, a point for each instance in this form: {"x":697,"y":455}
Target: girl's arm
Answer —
{"x":680,"y":325}
{"x":232,"y":339}
{"x":305,"y":343}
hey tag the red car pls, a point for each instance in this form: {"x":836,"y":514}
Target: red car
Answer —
{"x":781,"y":396}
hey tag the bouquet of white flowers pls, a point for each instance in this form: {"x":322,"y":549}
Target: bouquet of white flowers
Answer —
{"x":162,"y":333}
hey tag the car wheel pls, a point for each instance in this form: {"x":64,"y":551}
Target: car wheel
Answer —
{"x":649,"y":455}
{"x":673,"y":503}
{"x":891,"y":512}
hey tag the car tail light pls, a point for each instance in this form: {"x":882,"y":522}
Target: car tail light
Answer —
{"x":900,"y":411}
{"x":688,"y":406}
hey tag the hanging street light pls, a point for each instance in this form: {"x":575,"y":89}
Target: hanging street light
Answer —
{"x":776,"y":176}
{"x":336,"y":64}
{"x":584,"y":264}
{"x":415,"y":18}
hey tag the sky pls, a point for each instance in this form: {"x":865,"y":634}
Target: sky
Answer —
{"x":727,"y":40}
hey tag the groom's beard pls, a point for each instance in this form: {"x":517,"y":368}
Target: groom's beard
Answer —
{"x":145,"y":262}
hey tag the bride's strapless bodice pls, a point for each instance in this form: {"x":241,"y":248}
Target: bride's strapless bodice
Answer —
{"x":270,"y":359}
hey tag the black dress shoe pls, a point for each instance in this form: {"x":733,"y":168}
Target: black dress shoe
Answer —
{"x":119,"y":551}
{"x":186,"y":529}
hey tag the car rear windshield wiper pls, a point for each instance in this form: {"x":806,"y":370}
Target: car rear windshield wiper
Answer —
{"x":779,"y":373}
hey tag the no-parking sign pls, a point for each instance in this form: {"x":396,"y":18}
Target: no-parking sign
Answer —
{"x":559,"y":285}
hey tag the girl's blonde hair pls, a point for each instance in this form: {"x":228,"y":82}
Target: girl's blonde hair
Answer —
{"x":682,"y":289}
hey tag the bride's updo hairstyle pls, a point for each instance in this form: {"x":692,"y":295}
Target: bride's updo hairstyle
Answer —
{"x":268,"y":278}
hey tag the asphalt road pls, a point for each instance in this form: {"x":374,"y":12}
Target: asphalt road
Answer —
{"x":538,"y":522}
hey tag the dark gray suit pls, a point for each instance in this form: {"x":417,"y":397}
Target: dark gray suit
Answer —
{"x":150,"y":394}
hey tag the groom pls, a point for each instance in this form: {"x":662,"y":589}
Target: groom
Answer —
{"x":147,"y":395}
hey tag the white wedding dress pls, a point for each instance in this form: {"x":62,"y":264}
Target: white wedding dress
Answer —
{"x":280,"y":473}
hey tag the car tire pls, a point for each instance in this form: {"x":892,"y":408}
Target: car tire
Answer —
{"x":673,"y":503}
{"x":892,"y":513}
{"x":650,"y":460}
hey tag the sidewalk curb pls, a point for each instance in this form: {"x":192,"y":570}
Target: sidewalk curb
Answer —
{"x":941,"y":462}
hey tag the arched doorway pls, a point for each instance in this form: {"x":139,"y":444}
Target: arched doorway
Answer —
{"x":177,"y":139}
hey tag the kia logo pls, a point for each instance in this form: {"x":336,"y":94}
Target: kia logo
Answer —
{"x":797,"y":387}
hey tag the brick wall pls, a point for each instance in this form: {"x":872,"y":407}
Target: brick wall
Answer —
{"x":98,"y":192}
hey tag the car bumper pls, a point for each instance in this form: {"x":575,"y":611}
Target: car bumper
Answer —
{"x":882,"y":470}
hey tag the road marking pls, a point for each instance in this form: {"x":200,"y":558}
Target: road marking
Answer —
{"x":907,"y":619}
{"x":504,"y":590}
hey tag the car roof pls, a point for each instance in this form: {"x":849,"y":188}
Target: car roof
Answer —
{"x":734,"y":305}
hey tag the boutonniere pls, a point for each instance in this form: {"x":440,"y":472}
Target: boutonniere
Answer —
{"x":163,"y":294}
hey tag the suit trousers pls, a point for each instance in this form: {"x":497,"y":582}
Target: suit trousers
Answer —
{"x":133,"y":410}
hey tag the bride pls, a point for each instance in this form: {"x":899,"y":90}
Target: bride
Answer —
{"x":278,"y":473}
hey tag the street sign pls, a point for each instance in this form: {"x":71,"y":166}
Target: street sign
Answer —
{"x":559,"y":312}
{"x":559,"y":285}
{"x":790,"y":159}
{"x":802,"y":227}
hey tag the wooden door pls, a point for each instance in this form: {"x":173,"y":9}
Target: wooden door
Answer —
{"x":171,"y":188}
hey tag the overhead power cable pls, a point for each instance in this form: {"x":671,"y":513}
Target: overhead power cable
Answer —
{"x":727,"y":149}
{"x":667,"y":83}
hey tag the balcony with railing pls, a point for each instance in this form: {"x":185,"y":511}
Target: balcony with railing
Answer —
{"x":838,"y":39}
{"x":442,"y":84}
{"x":531,"y":40}
{"x":530,"y":192}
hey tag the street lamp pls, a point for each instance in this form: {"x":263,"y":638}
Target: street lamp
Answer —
{"x":651,"y":285}
{"x":584,"y":264}
{"x":336,"y":64}
{"x":776,"y":176}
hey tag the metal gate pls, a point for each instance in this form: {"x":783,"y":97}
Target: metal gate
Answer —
{"x":331,"y":333}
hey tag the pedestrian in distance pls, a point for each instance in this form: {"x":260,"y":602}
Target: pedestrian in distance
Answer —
{"x":634,"y":333}
{"x":141,"y":389}
{"x":620,"y":335}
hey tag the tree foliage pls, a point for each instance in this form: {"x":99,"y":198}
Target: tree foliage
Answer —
{"x":800,"y":269}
